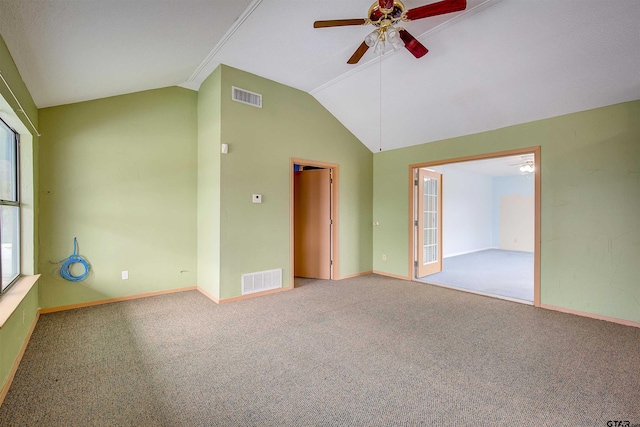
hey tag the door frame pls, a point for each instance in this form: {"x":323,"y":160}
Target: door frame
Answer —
{"x":334,"y":214}
{"x":537,"y":202}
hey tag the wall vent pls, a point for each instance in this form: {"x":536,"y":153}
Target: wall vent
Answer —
{"x":261,"y":281}
{"x":246,"y":97}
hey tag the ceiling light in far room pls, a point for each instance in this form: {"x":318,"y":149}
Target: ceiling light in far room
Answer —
{"x":527,"y":168}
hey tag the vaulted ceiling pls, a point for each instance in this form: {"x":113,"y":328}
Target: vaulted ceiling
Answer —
{"x":496,"y":64}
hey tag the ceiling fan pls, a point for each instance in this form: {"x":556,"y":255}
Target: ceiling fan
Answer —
{"x":385,"y":15}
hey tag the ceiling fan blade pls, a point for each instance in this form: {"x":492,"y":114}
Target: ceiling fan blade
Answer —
{"x":359,"y":53}
{"x":338,"y":23}
{"x":412,"y":44}
{"x":385,"y":4}
{"x":433,"y":9}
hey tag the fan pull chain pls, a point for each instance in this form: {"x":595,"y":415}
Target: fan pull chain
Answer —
{"x":380,"y":112}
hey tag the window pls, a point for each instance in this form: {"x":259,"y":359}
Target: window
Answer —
{"x":9,"y":207}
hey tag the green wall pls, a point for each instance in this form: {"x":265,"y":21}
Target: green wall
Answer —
{"x":255,"y":237}
{"x":590,"y":204}
{"x":14,"y":332}
{"x":119,"y":174}
{"x":29,"y":152}
{"x":209,"y":117}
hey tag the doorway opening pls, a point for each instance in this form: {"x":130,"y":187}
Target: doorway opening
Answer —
{"x":313,"y":220}
{"x":475,"y":224}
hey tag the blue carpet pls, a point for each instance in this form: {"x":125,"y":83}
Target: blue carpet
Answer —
{"x":494,"y":271}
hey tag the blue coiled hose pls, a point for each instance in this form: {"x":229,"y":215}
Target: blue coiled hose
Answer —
{"x":67,"y":263}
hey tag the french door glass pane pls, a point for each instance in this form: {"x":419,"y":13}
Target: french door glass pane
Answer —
{"x":10,"y":252}
{"x":430,"y":221}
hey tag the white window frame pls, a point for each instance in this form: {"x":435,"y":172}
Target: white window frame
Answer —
{"x":15,"y":202}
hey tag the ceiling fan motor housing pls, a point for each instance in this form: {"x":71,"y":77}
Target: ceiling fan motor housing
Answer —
{"x":384,"y":17}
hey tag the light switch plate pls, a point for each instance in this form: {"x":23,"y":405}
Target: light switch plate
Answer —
{"x":257,"y":198}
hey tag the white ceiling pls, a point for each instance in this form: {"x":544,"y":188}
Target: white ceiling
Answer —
{"x":496,"y":64}
{"x":76,"y":50}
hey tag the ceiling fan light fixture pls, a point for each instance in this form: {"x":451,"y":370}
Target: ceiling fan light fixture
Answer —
{"x":372,"y":38}
{"x":393,"y":36}
{"x":380,"y":46}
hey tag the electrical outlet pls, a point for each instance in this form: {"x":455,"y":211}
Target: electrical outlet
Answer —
{"x":125,"y":275}
{"x":384,"y":257}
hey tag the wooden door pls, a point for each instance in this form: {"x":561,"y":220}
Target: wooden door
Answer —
{"x":429,"y":223}
{"x":312,"y":223}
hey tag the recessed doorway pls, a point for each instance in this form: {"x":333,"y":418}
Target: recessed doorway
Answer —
{"x":477,"y":228}
{"x":313,"y":218}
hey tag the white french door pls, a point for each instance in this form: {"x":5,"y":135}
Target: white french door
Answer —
{"x":429,"y":223}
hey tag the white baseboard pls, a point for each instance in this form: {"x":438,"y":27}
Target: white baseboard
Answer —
{"x":469,"y":252}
